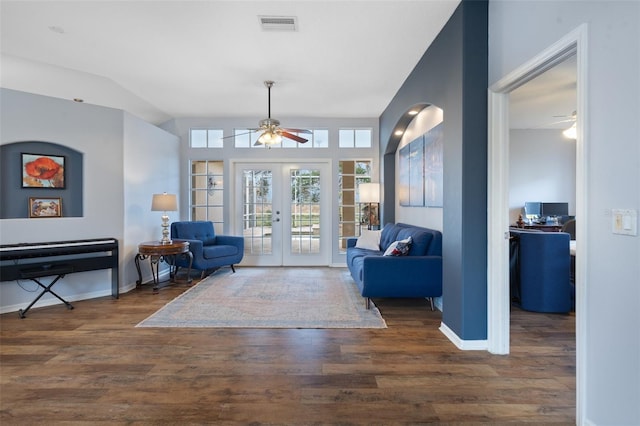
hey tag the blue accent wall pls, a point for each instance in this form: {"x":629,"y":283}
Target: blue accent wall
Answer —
{"x":14,"y":199}
{"x":452,"y":74}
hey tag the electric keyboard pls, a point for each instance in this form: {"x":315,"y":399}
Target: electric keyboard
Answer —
{"x":36,"y":260}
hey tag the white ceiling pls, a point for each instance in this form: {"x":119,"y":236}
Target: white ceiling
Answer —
{"x":548,"y":101}
{"x":164,"y":59}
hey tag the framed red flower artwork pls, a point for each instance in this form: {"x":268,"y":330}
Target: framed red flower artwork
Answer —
{"x":43,"y":171}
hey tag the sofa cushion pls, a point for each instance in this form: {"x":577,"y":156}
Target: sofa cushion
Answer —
{"x":354,"y":253}
{"x":399,"y":248}
{"x":369,"y":240}
{"x":388,"y":235}
{"x":421,"y":240}
{"x":194,"y":230}
{"x":212,"y":252}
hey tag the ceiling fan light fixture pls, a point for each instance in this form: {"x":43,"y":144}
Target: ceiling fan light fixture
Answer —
{"x":269,"y":123}
{"x":270,"y":138}
{"x":571,"y":132}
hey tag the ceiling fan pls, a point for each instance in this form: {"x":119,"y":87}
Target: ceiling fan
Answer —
{"x":569,"y":132}
{"x":272,"y":133}
{"x":566,"y":118}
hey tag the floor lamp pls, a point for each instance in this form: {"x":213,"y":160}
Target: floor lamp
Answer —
{"x":369,"y":193}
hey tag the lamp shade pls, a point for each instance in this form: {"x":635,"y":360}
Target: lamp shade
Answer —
{"x":369,"y":193}
{"x":164,"y":203}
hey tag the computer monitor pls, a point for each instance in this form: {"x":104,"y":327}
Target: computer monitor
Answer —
{"x":554,"y":209}
{"x":532,"y":209}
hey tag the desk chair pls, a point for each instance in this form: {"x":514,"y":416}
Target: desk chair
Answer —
{"x":570,"y":228}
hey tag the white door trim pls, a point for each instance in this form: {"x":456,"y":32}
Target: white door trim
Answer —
{"x":498,"y":303}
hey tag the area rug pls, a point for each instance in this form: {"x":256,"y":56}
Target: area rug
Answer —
{"x":278,"y":297}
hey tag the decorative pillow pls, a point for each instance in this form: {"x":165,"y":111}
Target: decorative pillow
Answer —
{"x":369,"y":240}
{"x":399,"y":248}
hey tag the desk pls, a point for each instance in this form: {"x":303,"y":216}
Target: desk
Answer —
{"x":544,"y":227}
{"x":157,"y":252}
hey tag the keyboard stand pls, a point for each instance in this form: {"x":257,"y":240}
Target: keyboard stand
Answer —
{"x":33,"y":274}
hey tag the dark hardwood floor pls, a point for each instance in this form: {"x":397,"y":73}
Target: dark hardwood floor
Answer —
{"x":91,"y":365}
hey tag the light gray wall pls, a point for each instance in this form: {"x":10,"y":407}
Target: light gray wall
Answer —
{"x":110,"y":189}
{"x":519,"y":31}
{"x":151,"y":166}
{"x":542,"y":167}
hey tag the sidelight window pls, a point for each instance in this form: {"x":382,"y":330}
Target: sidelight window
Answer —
{"x":350,"y":174}
{"x":207,"y":192}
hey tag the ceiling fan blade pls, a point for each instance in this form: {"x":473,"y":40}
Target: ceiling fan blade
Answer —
{"x":572,"y":115}
{"x":298,"y":130}
{"x":568,"y":120}
{"x":291,"y":136}
{"x":248,"y":132}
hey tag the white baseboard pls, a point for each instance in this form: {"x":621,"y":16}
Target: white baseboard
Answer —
{"x":465,"y":345}
{"x":55,"y":301}
{"x":437,"y":302}
{"x":50,"y":301}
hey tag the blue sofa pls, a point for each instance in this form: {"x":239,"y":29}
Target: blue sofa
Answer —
{"x":417,"y":274}
{"x":210,"y":251}
{"x":540,"y":275}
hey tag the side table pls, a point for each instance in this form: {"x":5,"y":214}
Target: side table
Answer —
{"x":157,"y":252}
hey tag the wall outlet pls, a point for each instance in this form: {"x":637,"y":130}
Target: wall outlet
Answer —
{"x":624,"y":221}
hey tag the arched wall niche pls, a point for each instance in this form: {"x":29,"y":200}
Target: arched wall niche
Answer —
{"x":429,"y":215}
{"x":14,"y":199}
{"x":401,"y":126}
{"x":415,"y":122}
{"x":423,"y":121}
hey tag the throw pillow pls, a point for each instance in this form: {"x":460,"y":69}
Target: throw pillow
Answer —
{"x":399,"y":248}
{"x":369,"y":240}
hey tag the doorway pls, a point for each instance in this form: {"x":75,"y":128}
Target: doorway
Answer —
{"x":283,"y":212}
{"x":498,"y":295}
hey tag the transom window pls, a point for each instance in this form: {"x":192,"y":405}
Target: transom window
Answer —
{"x":247,"y":138}
{"x":205,"y":138}
{"x":355,"y":138}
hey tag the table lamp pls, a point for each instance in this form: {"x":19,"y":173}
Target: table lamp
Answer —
{"x":369,"y":193}
{"x":164,"y":203}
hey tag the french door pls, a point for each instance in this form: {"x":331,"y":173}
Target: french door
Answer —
{"x":283,"y":212}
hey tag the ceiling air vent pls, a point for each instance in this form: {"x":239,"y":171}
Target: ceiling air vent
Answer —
{"x":278,"y":23}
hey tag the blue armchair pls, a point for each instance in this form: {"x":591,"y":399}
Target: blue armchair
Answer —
{"x":210,"y":251}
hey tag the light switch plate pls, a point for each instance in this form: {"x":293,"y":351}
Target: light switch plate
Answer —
{"x":624,"y":221}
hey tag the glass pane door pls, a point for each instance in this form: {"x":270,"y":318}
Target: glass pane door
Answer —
{"x":258,"y":216}
{"x":281,"y":208}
